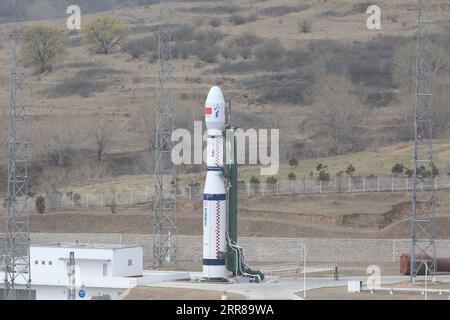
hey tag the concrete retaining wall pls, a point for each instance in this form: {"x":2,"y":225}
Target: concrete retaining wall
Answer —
{"x":266,"y":249}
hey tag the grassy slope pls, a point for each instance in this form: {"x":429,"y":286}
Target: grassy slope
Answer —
{"x":376,"y":162}
{"x":127,"y":97}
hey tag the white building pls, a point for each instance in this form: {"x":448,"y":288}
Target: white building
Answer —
{"x":101,"y":271}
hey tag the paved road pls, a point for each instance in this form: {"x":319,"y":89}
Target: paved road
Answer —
{"x":282,"y":289}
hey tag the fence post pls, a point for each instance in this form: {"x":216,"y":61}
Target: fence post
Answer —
{"x":407,"y":184}
{"x":103,"y":199}
{"x":278,"y":189}
{"x":262,"y":189}
{"x":72,"y":199}
{"x":364,"y":184}
{"x":335,"y":184}
{"x":320,"y":186}
{"x":349,"y":184}
{"x":87,"y":201}
{"x":190,"y":193}
{"x":392,"y":184}
{"x":115,"y":199}
{"x":435,"y":183}
{"x":248,"y":190}
{"x":378,"y":184}
{"x":131,"y":198}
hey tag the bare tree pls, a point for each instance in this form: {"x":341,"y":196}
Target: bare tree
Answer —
{"x":58,"y":140}
{"x":404,"y":122}
{"x":100,"y":136}
{"x":405,"y":64}
{"x":145,"y":122}
{"x":403,"y":117}
{"x":3,"y":138}
{"x":336,"y":115}
{"x":441,"y":110}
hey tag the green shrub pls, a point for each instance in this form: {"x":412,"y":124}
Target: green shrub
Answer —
{"x":398,"y":169}
{"x":76,"y":197}
{"x":350,"y":170}
{"x":194,"y":187}
{"x":40,"y":204}
{"x":255,"y":184}
{"x":271,"y":183}
{"x":322,"y":173}
{"x":293,"y":163}
{"x":215,"y":22}
{"x":292,"y":176}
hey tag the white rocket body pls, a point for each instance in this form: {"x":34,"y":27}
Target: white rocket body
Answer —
{"x":214,"y":197}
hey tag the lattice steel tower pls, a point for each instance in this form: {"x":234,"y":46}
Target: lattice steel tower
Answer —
{"x":17,"y":264}
{"x":423,"y":229}
{"x":165,"y":227}
{"x":71,"y":288}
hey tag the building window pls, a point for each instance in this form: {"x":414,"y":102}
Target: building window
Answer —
{"x":36,"y":262}
{"x":43,"y":263}
{"x":105,"y":269}
{"x":50,"y":263}
{"x":130,"y":262}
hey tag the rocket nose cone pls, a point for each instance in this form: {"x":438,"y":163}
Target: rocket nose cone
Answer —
{"x":216,"y":95}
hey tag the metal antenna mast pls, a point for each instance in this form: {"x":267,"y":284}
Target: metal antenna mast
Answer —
{"x":71,"y":290}
{"x":423,"y":229}
{"x":17,"y":262}
{"x":165,"y":227}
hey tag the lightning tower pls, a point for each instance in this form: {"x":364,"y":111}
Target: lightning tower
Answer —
{"x":423,"y":229}
{"x":17,"y":261}
{"x":165,"y":227}
{"x":71,"y":289}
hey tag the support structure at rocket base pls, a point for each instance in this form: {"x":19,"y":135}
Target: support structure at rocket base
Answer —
{"x":220,"y":249}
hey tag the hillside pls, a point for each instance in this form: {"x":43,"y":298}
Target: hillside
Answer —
{"x":87,"y":91}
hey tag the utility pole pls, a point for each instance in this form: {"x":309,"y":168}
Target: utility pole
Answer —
{"x":423,"y":228}
{"x":17,"y":260}
{"x":165,"y":227}
{"x":71,"y":289}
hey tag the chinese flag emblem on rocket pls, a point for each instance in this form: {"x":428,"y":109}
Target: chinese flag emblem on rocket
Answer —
{"x":208,"y":111}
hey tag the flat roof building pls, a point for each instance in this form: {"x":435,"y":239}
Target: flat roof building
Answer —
{"x":102,"y":271}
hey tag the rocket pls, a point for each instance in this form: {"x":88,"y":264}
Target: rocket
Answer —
{"x":215,"y":195}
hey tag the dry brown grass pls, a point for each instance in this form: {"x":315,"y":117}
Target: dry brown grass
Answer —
{"x":132,"y":93}
{"x":327,"y":216}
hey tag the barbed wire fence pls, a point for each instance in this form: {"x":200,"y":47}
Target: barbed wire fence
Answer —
{"x":338,"y":185}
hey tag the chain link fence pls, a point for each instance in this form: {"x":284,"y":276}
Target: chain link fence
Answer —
{"x":280,"y":188}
